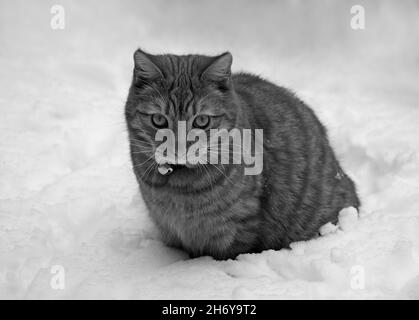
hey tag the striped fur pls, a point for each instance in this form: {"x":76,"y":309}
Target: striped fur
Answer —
{"x":215,"y":209}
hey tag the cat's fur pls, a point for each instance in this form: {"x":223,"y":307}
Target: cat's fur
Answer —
{"x":217,"y":210}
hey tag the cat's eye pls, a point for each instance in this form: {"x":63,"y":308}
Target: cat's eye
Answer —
{"x":201,"y":122}
{"x":159,"y":121}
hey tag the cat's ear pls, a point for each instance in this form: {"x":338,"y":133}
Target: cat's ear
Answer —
{"x":144,"y":67}
{"x":219,"y":69}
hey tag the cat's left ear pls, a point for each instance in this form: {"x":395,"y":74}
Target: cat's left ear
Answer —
{"x":145,"y":68}
{"x":219,"y":69}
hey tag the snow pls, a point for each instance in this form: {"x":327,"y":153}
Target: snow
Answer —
{"x":348,"y":218}
{"x":68,"y":196}
{"x":328,"y":228}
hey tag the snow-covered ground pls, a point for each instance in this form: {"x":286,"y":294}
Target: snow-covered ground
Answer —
{"x":68,"y":196}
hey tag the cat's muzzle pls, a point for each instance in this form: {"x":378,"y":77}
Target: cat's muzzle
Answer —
{"x":165,"y":169}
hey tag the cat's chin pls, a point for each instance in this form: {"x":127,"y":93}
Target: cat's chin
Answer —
{"x":182,"y":171}
{"x":179,"y":167}
{"x":186,"y":176}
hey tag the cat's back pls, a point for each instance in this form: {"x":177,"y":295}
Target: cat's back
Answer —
{"x":246,"y":84}
{"x":266,"y":100}
{"x":275,"y":109}
{"x":305,"y":186}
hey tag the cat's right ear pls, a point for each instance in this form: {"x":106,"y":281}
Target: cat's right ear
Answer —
{"x":219,"y":71}
{"x":144,"y":67}
{"x":219,"y":68}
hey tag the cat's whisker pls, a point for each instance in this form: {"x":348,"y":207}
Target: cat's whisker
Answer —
{"x":209,"y":178}
{"x":141,"y":142}
{"x":141,"y":164}
{"x":223,"y":173}
{"x":146,"y":152}
{"x":149,"y":170}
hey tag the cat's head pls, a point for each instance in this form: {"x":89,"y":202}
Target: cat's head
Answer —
{"x":167,"y":89}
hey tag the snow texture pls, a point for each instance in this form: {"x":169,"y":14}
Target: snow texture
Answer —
{"x":68,"y":196}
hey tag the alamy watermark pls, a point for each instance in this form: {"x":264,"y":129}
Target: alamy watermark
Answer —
{"x":236,"y":146}
{"x":358,"y":18}
{"x":58,"y":17}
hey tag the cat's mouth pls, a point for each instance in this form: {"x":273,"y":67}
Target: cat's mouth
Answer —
{"x":178,"y":166}
{"x":167,"y":169}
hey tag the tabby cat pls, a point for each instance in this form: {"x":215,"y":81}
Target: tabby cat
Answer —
{"x":217,"y":210}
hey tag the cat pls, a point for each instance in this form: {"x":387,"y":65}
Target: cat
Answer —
{"x":217,"y":210}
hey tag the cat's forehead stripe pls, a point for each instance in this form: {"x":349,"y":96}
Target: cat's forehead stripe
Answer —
{"x":181,"y":90}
